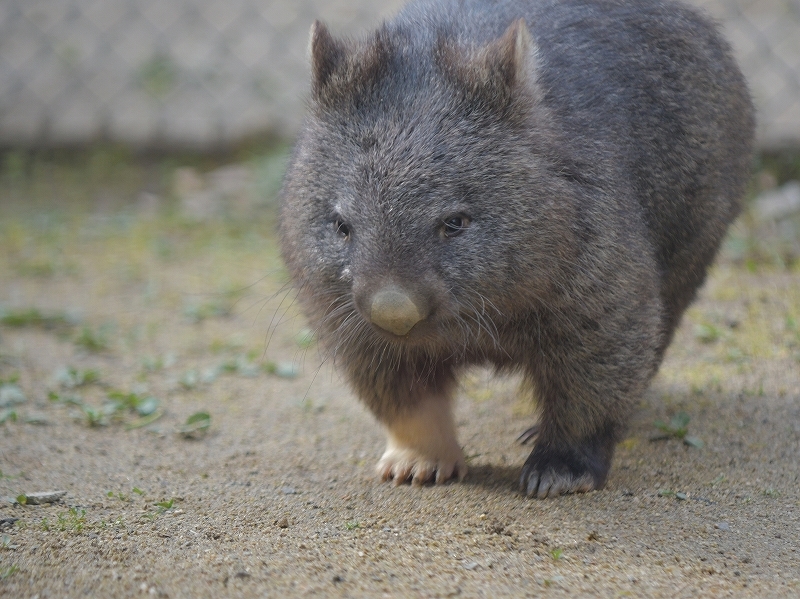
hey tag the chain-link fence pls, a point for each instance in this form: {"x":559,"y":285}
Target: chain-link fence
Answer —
{"x":207,"y":73}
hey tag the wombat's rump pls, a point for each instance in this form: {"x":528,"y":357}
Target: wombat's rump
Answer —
{"x":537,"y":185}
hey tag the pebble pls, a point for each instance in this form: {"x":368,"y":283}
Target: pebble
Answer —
{"x":44,"y":497}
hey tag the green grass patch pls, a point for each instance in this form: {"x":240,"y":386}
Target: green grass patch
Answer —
{"x":69,"y":377}
{"x":678,"y":427}
{"x":94,"y":340}
{"x":196,"y":425}
{"x":34,"y":318}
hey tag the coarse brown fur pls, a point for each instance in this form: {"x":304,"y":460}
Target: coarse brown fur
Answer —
{"x":538,"y":185}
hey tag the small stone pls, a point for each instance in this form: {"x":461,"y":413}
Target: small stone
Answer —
{"x":723,"y":526}
{"x":471,"y":566}
{"x":282,"y":522}
{"x":289,"y":491}
{"x":43,"y":497}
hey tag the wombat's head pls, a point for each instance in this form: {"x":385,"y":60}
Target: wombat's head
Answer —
{"x":422,"y":203}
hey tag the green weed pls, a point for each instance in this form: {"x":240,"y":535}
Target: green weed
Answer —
{"x":33,"y":318}
{"x":196,"y":425}
{"x":678,"y":427}
{"x":94,"y":341}
{"x":156,"y":363}
{"x":70,"y":400}
{"x":118,"y":405}
{"x":70,"y":378}
{"x":719,"y":479}
{"x":706,"y":333}
{"x":8,"y":415}
{"x":73,"y":520}
{"x":161,"y":508}
{"x":283,"y":369}
{"x":241,"y":365}
{"x":143,"y":405}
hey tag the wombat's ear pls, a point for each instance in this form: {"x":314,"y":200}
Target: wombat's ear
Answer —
{"x":496,"y":72}
{"x":327,"y":56}
{"x":507,"y":59}
{"x":341,"y":69}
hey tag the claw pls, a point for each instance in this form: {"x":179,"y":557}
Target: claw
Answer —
{"x":551,"y":471}
{"x":402,"y":465}
{"x":529,"y":434}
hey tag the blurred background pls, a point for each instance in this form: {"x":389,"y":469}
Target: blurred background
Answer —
{"x":209,"y":74}
{"x":194,"y":103}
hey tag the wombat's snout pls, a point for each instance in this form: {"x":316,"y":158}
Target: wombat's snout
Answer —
{"x":393,"y":310}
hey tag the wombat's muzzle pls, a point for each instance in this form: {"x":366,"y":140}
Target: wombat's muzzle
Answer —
{"x":393,"y":310}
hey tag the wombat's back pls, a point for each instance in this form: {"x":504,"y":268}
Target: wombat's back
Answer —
{"x":650,"y":101}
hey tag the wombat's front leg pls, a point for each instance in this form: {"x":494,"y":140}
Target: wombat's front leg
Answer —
{"x":422,"y":445}
{"x":586,"y":383}
{"x":414,"y":403}
{"x":554,"y":468}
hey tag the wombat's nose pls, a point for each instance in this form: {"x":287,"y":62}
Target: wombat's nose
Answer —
{"x":394,"y":311}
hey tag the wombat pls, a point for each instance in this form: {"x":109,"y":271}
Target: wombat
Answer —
{"x":538,"y":185}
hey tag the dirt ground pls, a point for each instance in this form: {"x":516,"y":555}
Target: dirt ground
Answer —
{"x":120,"y":322}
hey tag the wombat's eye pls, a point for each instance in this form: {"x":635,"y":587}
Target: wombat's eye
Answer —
{"x":341,"y":228}
{"x":454,"y":225}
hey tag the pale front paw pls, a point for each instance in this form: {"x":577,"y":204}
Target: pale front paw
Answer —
{"x":402,"y":464}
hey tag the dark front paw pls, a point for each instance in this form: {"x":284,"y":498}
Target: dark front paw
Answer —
{"x":551,"y":471}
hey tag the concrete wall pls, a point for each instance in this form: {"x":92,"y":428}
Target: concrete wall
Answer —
{"x":206,"y":73}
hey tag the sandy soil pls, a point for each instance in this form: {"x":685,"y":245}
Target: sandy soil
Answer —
{"x":278,"y":497}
